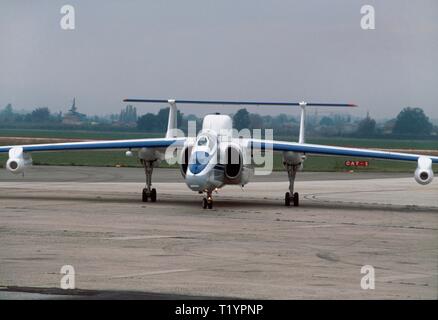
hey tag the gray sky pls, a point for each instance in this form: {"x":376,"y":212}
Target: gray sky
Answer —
{"x":229,"y":49}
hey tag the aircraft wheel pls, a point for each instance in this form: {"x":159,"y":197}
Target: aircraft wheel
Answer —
{"x":210,"y":204}
{"x":204,"y":203}
{"x":287,"y":199}
{"x":145,"y":195}
{"x":154,"y":195}
{"x":296,"y":199}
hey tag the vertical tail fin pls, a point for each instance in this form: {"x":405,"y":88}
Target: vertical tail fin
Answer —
{"x":172,"y":122}
{"x":302,"y":137}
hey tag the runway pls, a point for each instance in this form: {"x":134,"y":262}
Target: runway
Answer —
{"x":248,"y":246}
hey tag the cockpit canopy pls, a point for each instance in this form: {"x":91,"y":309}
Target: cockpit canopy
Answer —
{"x":202,"y":141}
{"x":205,"y":140}
{"x":202,"y":152}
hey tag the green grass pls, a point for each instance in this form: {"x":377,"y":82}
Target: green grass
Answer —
{"x":83,"y":158}
{"x":115,"y":158}
{"x":327,"y":163}
{"x":76,"y":134}
{"x":375,"y":143}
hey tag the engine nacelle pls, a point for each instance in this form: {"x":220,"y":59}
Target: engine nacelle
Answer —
{"x":18,"y":160}
{"x":293,"y":158}
{"x":233,"y":164}
{"x":184,"y":159}
{"x":149,"y":154}
{"x":424,"y":172}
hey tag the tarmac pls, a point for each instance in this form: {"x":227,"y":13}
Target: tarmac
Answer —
{"x":248,"y":246}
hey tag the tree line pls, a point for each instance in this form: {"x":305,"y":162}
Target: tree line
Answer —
{"x":410,"y":122}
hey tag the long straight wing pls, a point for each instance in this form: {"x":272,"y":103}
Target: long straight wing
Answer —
{"x":100,"y":145}
{"x":308,"y":148}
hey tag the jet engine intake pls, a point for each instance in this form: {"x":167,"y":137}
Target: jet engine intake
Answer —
{"x":233,"y":164}
{"x":18,"y":160}
{"x":424,"y":172}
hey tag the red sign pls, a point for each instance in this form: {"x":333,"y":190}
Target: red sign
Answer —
{"x":350,"y":163}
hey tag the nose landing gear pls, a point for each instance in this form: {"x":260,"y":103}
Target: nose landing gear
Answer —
{"x":152,"y":195}
{"x":208,"y":201}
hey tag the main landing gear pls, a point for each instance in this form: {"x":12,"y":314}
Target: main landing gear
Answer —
{"x":291,"y":197}
{"x":207,"y":202}
{"x":148,"y":192}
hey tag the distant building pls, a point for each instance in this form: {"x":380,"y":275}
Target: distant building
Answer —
{"x":73,"y":117}
{"x":388,"y":127}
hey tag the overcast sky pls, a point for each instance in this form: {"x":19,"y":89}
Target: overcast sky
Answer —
{"x":230,"y":49}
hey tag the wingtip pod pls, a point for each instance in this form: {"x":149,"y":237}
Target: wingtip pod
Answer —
{"x":424,"y":173}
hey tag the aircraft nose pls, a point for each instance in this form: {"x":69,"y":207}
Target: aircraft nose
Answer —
{"x":199,"y":162}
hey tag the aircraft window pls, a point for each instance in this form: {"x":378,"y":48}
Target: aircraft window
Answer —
{"x":202,"y":141}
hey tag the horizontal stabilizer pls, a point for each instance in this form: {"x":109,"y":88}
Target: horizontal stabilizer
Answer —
{"x":249,"y":103}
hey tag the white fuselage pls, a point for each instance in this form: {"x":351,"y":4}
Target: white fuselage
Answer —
{"x":209,"y":165}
